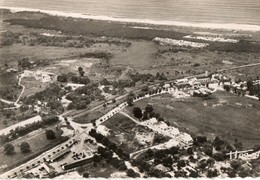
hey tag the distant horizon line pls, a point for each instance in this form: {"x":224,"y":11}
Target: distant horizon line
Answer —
{"x":212,"y":26}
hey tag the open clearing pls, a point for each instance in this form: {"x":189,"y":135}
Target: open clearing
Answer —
{"x":227,"y":115}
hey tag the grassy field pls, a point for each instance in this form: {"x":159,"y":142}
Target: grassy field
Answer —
{"x":227,"y":116}
{"x":91,"y":115}
{"x":134,"y":56}
{"x":37,"y":141}
{"x":86,"y":118}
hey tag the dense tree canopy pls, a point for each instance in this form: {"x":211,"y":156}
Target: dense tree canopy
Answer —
{"x":149,"y":108}
{"x":25,"y":147}
{"x":9,"y":148}
{"x":137,"y":112}
{"x":50,"y":134}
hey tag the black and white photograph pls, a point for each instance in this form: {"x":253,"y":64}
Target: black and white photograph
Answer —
{"x":129,"y":89}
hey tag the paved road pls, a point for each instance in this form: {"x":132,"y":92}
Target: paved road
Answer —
{"x":6,"y":101}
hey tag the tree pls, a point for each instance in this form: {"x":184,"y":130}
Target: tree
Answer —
{"x":145,"y":88}
{"x":217,"y":143}
{"x":131,"y":173}
{"x":9,"y":148}
{"x":212,"y":173}
{"x":129,"y":101}
{"x":113,"y":100}
{"x":201,"y":139}
{"x":250,"y":86}
{"x":81,"y":72}
{"x":50,"y":134}
{"x":235,"y":164}
{"x":86,"y":175}
{"x":243,"y":174}
{"x":194,"y":174}
{"x":238,"y":145}
{"x":231,"y":173}
{"x":145,"y":115}
{"x":189,"y":151}
{"x":167,"y":162}
{"x":219,"y":156}
{"x":137,"y":112}
{"x":181,"y":164}
{"x":227,"y":88}
{"x":24,"y":108}
{"x":25,"y":147}
{"x":62,"y":78}
{"x":149,"y":108}
{"x":104,"y":105}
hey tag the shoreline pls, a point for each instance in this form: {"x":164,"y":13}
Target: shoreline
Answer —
{"x":212,"y":26}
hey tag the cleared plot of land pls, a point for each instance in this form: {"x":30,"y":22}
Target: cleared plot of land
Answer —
{"x":32,"y":86}
{"x":102,"y":169}
{"x":227,"y":115}
{"x":130,"y":136}
{"x":121,"y":134}
{"x":37,"y":141}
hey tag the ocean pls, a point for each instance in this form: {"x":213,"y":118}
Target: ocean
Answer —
{"x":195,"y":11}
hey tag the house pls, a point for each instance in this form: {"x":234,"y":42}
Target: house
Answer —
{"x":44,"y":170}
{"x":227,"y":62}
{"x":75,"y":86}
{"x":181,"y":81}
{"x":166,"y":86}
{"x":203,"y":80}
{"x":78,"y":163}
{"x":44,"y":76}
{"x":162,"y":168}
{"x":11,"y":70}
{"x":103,"y":130}
{"x":186,"y":138}
{"x":28,"y":73}
{"x":192,"y":80}
{"x":48,"y":168}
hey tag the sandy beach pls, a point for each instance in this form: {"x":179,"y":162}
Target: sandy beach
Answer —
{"x":228,"y":26}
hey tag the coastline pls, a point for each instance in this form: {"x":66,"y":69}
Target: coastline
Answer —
{"x":212,"y":26}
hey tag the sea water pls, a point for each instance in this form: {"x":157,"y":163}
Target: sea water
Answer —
{"x":201,"y":11}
